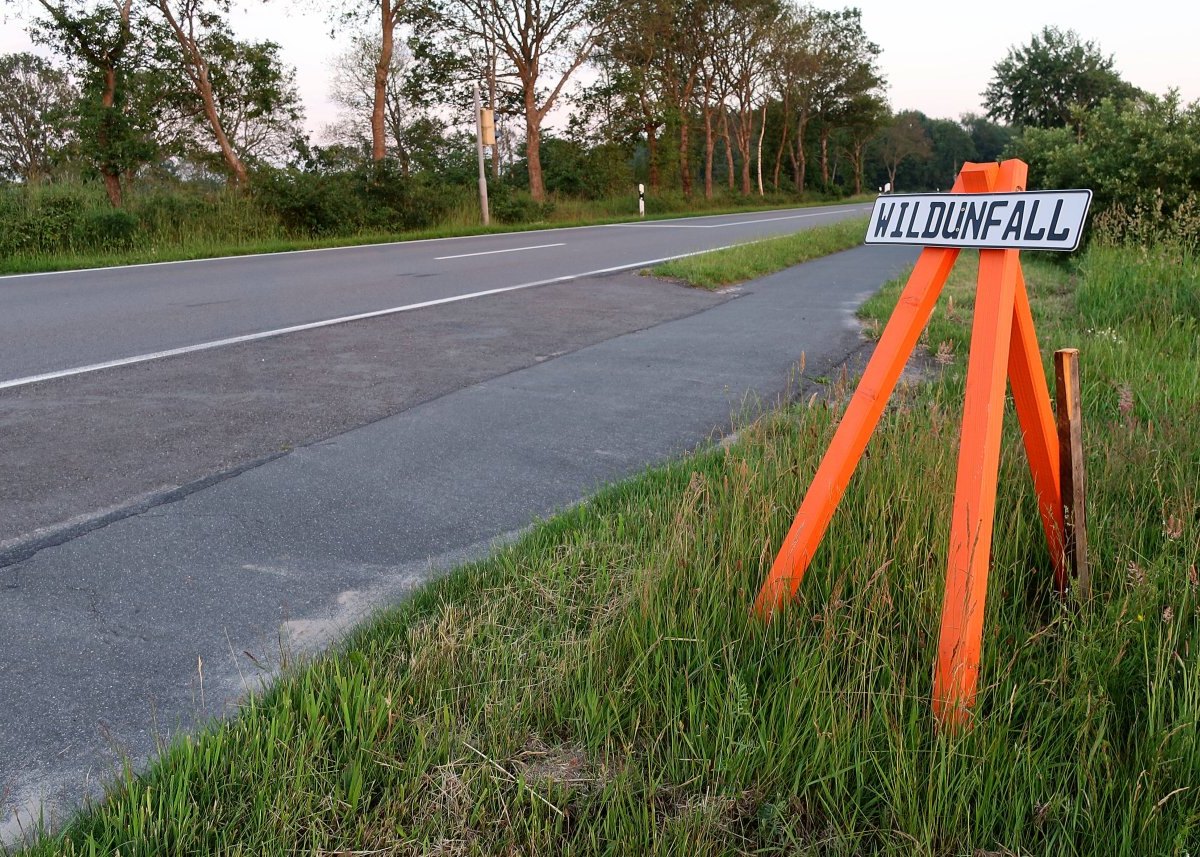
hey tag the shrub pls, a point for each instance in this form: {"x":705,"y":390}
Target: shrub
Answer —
{"x":105,"y":229}
{"x":1136,"y":155}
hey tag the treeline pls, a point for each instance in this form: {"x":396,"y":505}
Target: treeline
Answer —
{"x":701,"y":100}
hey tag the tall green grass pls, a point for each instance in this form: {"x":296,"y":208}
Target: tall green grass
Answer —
{"x":601,"y":688}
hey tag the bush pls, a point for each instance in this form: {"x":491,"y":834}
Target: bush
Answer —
{"x":1141,"y":155}
{"x":514,"y":206}
{"x":103,"y":230}
{"x":371,"y":196}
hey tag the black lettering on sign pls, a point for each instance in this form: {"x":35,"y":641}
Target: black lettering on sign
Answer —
{"x":931,"y":228}
{"x":910,"y":233}
{"x":1015,"y":221}
{"x":993,"y":218}
{"x":1030,"y":235}
{"x":897,"y":233}
{"x":1062,"y":235}
{"x":974,"y":219}
{"x":885,"y":215}
{"x":962,"y":210}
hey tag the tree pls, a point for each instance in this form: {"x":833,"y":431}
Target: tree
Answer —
{"x":1040,"y":84}
{"x":552,"y":37}
{"x":743,"y":61}
{"x":191,"y":22}
{"x":903,"y":138}
{"x":409,"y":129}
{"x":849,"y":70}
{"x":105,"y":40}
{"x":34,"y":105}
{"x":989,"y":139}
{"x":860,"y":120}
{"x":256,"y":97}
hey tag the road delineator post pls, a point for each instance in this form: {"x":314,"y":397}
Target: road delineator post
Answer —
{"x":1003,"y":347}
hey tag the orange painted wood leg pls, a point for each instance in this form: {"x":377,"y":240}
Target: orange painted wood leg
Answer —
{"x":862,"y":415}
{"x":957,"y":669}
{"x":1031,"y":395}
{"x":837,"y":466}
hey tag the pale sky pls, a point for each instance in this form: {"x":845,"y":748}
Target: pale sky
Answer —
{"x":937,"y":56}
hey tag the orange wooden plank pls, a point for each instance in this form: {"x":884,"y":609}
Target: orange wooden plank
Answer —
{"x":973,"y":515}
{"x":1031,"y":395}
{"x":833,"y":474}
{"x":862,"y":415}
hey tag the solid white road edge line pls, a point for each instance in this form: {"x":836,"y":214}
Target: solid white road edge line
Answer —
{"x":313,"y":325}
{"x":722,"y":225}
{"x":493,"y":252}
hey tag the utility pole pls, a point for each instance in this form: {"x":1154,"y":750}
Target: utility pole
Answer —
{"x":483,"y":200}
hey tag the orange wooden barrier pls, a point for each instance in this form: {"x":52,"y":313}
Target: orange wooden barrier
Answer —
{"x":1003,"y":345}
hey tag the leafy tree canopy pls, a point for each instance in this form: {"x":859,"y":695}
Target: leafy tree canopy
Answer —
{"x":1040,"y":84}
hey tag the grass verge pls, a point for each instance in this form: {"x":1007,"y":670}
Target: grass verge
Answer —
{"x":200,"y":246}
{"x":759,"y":258}
{"x":600,"y":688}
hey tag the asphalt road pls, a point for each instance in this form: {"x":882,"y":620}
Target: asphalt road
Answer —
{"x":52,"y":322}
{"x":185,"y":511}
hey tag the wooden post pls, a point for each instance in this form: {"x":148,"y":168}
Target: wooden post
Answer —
{"x":1071,"y":468}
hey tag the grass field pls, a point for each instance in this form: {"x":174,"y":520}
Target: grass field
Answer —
{"x":599,"y":687}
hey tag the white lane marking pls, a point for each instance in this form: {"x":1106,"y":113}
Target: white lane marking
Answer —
{"x":509,"y":250}
{"x":734,"y":223}
{"x":313,"y":325}
{"x":284,"y":253}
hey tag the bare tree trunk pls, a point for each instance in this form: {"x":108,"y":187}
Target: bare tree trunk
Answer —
{"x":801,"y":156}
{"x":108,"y":100}
{"x":825,"y":156}
{"x":761,"y":131}
{"x":728,"y":145}
{"x":685,"y":165}
{"x":783,"y":142}
{"x":533,"y":146}
{"x":210,"y":111}
{"x":745,"y":121}
{"x":382,"y":67}
{"x":709,"y":146}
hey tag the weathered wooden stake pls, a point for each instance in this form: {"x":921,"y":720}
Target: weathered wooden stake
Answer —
{"x":1071,"y":470}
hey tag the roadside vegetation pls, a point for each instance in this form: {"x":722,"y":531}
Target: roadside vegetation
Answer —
{"x":759,"y":258}
{"x":72,"y":226}
{"x":600,"y":687}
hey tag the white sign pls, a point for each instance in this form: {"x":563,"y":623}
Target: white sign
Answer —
{"x":1028,"y":220}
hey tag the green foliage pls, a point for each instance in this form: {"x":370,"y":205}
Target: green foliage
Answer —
{"x":35,"y":101}
{"x":368,"y":197}
{"x":509,"y":205}
{"x":1044,"y":83}
{"x":988,"y":138}
{"x":1133,"y":154}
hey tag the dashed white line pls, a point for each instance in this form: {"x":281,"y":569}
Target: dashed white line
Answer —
{"x":508,"y":250}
